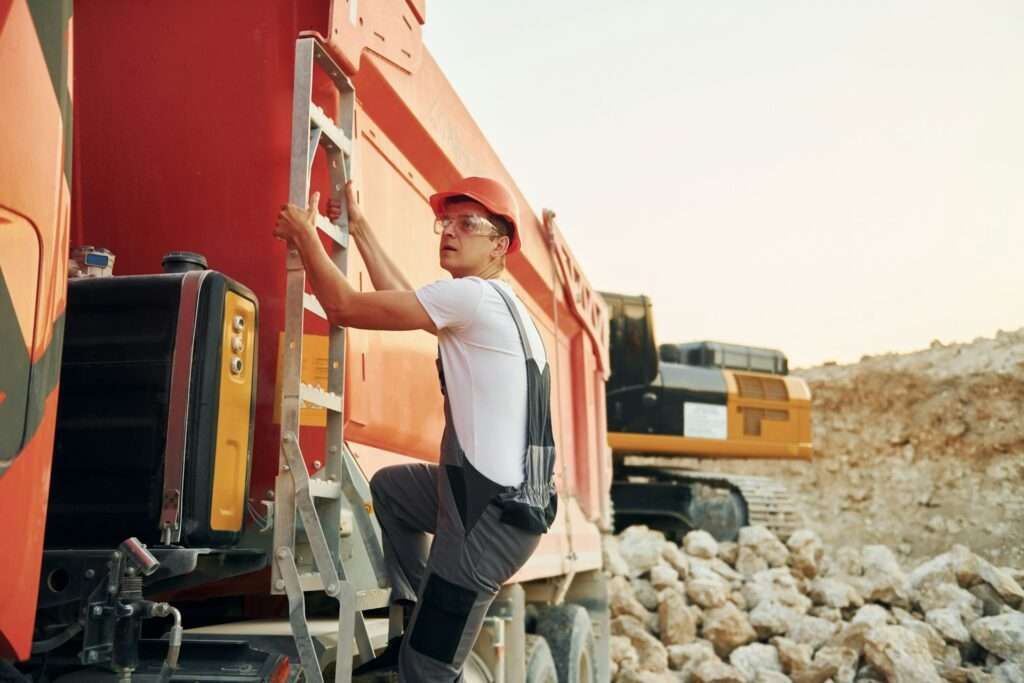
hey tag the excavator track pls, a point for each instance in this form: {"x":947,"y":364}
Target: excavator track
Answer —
{"x":769,"y":502}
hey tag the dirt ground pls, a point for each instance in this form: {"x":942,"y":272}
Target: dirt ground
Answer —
{"x":916,"y":451}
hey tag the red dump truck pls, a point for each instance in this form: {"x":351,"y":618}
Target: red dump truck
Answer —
{"x":190,"y":500}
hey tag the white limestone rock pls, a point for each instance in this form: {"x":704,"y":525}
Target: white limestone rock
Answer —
{"x":700,"y":543}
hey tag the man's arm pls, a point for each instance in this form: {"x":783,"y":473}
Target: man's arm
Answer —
{"x":344,"y":306}
{"x":384,"y":274}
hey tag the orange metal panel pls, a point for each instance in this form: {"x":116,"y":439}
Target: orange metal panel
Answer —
{"x":24,"y":490}
{"x":34,"y":210}
{"x":31,"y":178}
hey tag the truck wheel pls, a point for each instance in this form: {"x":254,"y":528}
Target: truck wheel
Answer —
{"x":540,"y":667}
{"x":570,"y":636}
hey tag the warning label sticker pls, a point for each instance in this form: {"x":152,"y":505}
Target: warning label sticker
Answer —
{"x":705,"y":421}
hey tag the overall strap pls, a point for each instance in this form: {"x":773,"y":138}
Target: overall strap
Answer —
{"x":524,"y":338}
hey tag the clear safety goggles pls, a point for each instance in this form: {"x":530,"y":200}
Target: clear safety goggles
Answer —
{"x":467,"y":225}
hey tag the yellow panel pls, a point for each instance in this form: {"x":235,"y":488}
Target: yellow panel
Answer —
{"x":234,"y":414}
{"x":314,"y":372}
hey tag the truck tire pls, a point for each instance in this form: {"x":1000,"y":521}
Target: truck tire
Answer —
{"x":570,"y":635}
{"x":540,"y":667}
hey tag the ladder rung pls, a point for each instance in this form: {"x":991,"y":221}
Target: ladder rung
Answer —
{"x":311,"y":582}
{"x":320,"y":398}
{"x":321,"y":488}
{"x":312,"y":304}
{"x":332,"y":231}
{"x":332,"y":135}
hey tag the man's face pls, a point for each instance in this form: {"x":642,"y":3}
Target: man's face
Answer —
{"x":462,"y":253}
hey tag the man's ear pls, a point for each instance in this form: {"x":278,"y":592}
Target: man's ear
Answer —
{"x":501,"y":245}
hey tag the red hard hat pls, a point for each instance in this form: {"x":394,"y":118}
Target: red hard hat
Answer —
{"x":493,"y":195}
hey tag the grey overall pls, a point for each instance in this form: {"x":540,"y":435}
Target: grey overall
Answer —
{"x":453,"y":580}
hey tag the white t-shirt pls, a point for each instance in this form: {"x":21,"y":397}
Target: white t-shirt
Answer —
{"x":485,"y":371}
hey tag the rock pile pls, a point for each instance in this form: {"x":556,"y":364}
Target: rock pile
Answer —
{"x":917,"y":451}
{"x":764,"y":611}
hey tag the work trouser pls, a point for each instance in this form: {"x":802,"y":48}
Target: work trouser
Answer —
{"x":453,"y":579}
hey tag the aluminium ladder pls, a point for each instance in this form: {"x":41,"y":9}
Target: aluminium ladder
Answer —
{"x":308,"y":510}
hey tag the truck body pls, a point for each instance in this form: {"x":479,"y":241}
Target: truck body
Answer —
{"x":183,"y":121}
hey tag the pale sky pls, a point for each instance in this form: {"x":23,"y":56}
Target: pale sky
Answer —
{"x":828,"y":178}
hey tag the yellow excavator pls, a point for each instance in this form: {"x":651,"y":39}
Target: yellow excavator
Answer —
{"x":671,"y":406}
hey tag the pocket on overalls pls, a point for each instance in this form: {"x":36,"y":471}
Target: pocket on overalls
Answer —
{"x":442,"y":617}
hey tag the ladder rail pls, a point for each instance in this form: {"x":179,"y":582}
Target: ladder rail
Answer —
{"x":317,"y":501}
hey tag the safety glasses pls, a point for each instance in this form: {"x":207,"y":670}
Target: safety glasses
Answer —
{"x":467,"y":225}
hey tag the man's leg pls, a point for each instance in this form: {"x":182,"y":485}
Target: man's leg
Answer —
{"x":463,"y":575}
{"x":405,"y":502}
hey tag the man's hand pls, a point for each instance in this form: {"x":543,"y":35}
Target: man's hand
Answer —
{"x":356,"y":220}
{"x":294,"y":223}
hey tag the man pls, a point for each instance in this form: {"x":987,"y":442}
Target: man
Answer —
{"x":492,"y":495}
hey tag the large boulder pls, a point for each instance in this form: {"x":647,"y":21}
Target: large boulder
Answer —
{"x":962,"y":567}
{"x":707,"y":591}
{"x":813,"y":631}
{"x":640,"y":547}
{"x":846,"y":562}
{"x":700,"y":543}
{"x":933,"y":595}
{"x":806,"y":552}
{"x":727,"y":628}
{"x":614,"y":564}
{"x":748,"y":562}
{"x":650,"y":652}
{"x":687,"y":657}
{"x":947,"y":621}
{"x":764,"y":544}
{"x":717,"y":671}
{"x":936,"y":570}
{"x":875,"y":615}
{"x":852,"y":636}
{"x":622,"y":601}
{"x":972,"y":570}
{"x":841,"y":660}
{"x":770,"y":619}
{"x":749,"y":659}
{"x":1002,"y":635}
{"x":722,"y":568}
{"x":883,"y":579}
{"x":775,"y":585}
{"x":902,"y":655}
{"x":1008,"y":672}
{"x":794,"y":657}
{"x":676,"y":558}
{"x":771,"y":677}
{"x":992,"y":603}
{"x":815,"y":673}
{"x":677,"y":621}
{"x":622,"y":652}
{"x":632,"y":675}
{"x":728,"y":551}
{"x":663,"y":576}
{"x":936,"y":643}
{"x":834,"y":593}
{"x":646,"y":594}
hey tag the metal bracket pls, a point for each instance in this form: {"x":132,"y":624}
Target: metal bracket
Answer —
{"x":177,"y":412}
